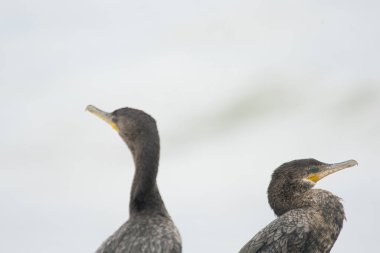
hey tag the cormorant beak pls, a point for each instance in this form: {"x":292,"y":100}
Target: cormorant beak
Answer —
{"x":107,"y":117}
{"x":328,"y":169}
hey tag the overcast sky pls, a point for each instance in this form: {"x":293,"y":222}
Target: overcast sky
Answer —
{"x":237,"y":89}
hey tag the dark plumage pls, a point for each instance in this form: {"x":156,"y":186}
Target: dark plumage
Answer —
{"x":309,"y":219}
{"x":149,"y":228}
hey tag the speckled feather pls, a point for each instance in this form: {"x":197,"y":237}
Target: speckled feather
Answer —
{"x":143,"y":234}
{"x":288,"y":233}
{"x":311,"y":229}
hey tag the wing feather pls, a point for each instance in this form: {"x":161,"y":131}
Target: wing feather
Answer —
{"x":288,"y":233}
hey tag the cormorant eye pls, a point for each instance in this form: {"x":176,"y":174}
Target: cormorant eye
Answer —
{"x":314,"y":169}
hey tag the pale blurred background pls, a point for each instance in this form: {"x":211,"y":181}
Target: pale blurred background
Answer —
{"x":237,"y":88}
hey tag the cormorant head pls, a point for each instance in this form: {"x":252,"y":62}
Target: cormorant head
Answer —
{"x":295,"y":178}
{"x":132,"y":125}
{"x":308,"y":171}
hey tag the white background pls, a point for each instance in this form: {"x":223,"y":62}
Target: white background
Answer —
{"x":237,"y":88}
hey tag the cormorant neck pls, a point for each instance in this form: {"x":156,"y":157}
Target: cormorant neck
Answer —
{"x":145,"y":197}
{"x":289,"y":196}
{"x":284,"y":196}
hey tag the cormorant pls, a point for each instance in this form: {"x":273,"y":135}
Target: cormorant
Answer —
{"x":309,"y":220}
{"x":149,"y":228}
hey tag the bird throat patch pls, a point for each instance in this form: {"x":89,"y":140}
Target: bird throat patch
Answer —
{"x":314,"y":177}
{"x":114,"y":126}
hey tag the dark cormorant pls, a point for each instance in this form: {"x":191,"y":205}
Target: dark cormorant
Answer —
{"x":149,"y":228}
{"x":309,"y":219}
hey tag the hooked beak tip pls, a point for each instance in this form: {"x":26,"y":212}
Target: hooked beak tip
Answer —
{"x":90,"y":108}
